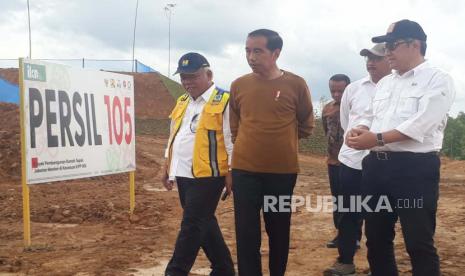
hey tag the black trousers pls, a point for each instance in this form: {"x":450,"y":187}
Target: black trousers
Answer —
{"x":199,"y":228}
{"x":410,"y":183}
{"x":350,"y":223}
{"x":334,"y":179}
{"x":250,"y":190}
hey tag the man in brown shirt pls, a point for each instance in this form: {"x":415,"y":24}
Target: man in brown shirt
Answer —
{"x":270,"y":109}
{"x":334,"y":133}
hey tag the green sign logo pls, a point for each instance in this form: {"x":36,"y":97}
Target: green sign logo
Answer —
{"x":34,"y":72}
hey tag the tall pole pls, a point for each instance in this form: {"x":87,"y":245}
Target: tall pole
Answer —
{"x":168,"y":9}
{"x":169,"y":44}
{"x":29,"y":22}
{"x":134,"y":37}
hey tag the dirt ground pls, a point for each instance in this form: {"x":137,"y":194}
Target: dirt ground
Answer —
{"x":82,"y":227}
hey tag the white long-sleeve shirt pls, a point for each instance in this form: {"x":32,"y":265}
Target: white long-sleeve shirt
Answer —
{"x":183,"y":145}
{"x":357,"y":96}
{"x":416,"y":104}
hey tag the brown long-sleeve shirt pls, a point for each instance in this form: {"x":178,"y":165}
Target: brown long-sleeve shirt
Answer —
{"x":267,"y":118}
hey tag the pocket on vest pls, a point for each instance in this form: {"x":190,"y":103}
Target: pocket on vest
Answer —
{"x":212,"y":121}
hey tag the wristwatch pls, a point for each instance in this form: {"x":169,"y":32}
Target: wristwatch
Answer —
{"x":379,"y":139}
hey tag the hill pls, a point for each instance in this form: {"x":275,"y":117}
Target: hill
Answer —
{"x":153,"y":92}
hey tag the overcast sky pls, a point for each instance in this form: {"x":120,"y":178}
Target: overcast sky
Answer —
{"x":321,"y":38}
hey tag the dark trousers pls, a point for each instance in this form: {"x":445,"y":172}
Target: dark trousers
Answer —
{"x":250,"y":190}
{"x":199,"y":228}
{"x":410,"y":182}
{"x":334,"y":176}
{"x":350,"y":223}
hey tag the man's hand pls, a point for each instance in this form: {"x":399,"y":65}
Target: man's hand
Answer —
{"x":352,"y":133}
{"x":168,"y":184}
{"x":228,"y":183}
{"x":227,"y":186}
{"x":361,"y":139}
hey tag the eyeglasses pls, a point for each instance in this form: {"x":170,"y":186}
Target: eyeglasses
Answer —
{"x":391,"y":46}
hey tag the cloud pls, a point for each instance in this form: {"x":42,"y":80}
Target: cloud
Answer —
{"x":321,"y":38}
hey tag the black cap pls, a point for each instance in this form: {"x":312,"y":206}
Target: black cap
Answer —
{"x":402,"y":29}
{"x":190,"y":63}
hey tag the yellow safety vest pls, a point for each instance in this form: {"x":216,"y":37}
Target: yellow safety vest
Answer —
{"x":210,"y":157}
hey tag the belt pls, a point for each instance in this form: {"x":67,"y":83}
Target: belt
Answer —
{"x":388,"y":155}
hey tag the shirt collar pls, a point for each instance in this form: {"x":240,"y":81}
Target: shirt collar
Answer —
{"x":414,"y":71}
{"x":205,"y":95}
{"x":367,"y":79}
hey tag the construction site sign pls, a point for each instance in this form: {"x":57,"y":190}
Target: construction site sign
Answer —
{"x":76,"y":122}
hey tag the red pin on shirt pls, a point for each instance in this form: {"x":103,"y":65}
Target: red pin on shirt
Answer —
{"x":277,"y":95}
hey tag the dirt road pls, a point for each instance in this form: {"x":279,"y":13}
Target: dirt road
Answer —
{"x":82,"y":227}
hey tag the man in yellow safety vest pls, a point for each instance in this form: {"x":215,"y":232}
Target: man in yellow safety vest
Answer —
{"x":197,"y":159}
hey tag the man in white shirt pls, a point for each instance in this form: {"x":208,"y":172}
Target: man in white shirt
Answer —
{"x":198,"y":159}
{"x":406,"y":128}
{"x":357,"y":96}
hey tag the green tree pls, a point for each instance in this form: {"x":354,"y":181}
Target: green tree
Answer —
{"x":454,"y":137}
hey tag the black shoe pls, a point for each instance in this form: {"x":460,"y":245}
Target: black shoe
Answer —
{"x":340,"y":269}
{"x":332,"y":243}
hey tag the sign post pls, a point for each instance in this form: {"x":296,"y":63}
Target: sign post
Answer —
{"x":25,"y":188}
{"x":132,"y":193}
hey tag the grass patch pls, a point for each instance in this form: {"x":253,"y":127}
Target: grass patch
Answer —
{"x":155,"y":127}
{"x":175,"y":89}
{"x":317,"y":142}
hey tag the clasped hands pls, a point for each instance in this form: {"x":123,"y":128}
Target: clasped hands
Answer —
{"x":360,"y":138}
